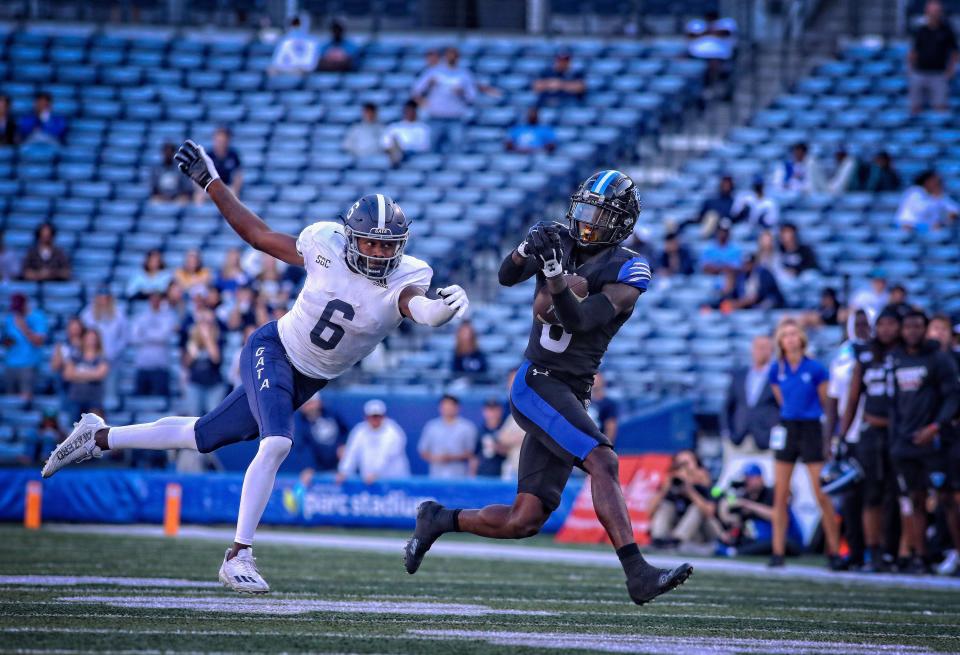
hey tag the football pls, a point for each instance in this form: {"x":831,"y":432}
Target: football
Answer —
{"x":543,"y":303}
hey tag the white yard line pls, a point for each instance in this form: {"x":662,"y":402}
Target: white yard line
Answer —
{"x":666,"y":645}
{"x":82,"y":580}
{"x":484,"y":549}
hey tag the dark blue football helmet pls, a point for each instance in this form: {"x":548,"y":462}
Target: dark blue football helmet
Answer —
{"x":604,"y":210}
{"x":376,"y":230}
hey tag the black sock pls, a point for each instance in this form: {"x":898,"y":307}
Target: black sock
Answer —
{"x":628,"y":551}
{"x":631,"y":560}
{"x":447,"y":520}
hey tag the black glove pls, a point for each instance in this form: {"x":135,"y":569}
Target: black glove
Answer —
{"x":546,"y":247}
{"x":194,"y":162}
{"x":525,"y":249}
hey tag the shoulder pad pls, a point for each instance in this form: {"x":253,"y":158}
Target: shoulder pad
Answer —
{"x":635,"y":272}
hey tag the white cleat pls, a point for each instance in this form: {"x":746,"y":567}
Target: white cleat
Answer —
{"x":78,"y":447}
{"x":241,"y":574}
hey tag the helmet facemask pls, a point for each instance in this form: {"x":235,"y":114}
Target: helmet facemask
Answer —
{"x":375,"y":267}
{"x":598,"y":221}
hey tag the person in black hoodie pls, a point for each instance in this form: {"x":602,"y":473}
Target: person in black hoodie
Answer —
{"x":926,"y":396}
{"x":871,"y":380}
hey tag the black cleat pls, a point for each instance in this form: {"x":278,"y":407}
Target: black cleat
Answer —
{"x":653,"y":582}
{"x":776,"y":561}
{"x":424,"y":534}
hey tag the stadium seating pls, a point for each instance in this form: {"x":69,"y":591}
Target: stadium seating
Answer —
{"x":125,"y":91}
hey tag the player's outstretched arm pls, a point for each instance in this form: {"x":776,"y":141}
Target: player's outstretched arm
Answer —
{"x":194,"y":162}
{"x":415,"y":305}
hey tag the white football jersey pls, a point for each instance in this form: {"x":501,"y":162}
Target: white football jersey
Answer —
{"x":340,"y":316}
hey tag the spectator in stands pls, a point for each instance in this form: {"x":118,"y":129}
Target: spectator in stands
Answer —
{"x":767,"y":253}
{"x":46,"y":436}
{"x":932,"y":60}
{"x":321,"y":432}
{"x":604,"y":411}
{"x":244,"y":311}
{"x":86,"y":373}
{"x":844,"y":171}
{"x":714,"y":41}
{"x":43,"y":126}
{"x":46,"y":260}
{"x":828,"y":312}
{"x":24,"y":333}
{"x":446,"y":92}
{"x":682,"y":511}
{"x":795,"y":257}
{"x":716,"y":208}
{"x":752,"y":287}
{"x":759,"y":210}
{"x":167,"y":183}
{"x":898,"y":300}
{"x":365,"y":139}
{"x":880,"y":175}
{"x":800,"y":387}
{"x":8,"y":124}
{"x":153,"y":278}
{"x":750,"y":410}
{"x":926,"y":206}
{"x":9,"y":262}
{"x":531,"y":136}
{"x":65,"y":349}
{"x":560,"y":85}
{"x":376,"y":448}
{"x":297,"y":52}
{"x":675,"y":258}
{"x":799,"y":173}
{"x":227,"y":162}
{"x":721,"y":255}
{"x":202,"y":359}
{"x":875,"y":297}
{"x":339,"y":53}
{"x":410,"y":135}
{"x":193,"y":276}
{"x":641,"y":242}
{"x":151,"y":332}
{"x":468,"y":360}
{"x":231,"y":276}
{"x":448,"y":442}
{"x":490,"y":454}
{"x":109,"y":321}
{"x":431,"y":58}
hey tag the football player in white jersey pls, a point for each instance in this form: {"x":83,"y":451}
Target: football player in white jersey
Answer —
{"x":359,"y":286}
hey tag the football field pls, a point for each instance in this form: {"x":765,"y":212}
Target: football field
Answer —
{"x":67,"y":591}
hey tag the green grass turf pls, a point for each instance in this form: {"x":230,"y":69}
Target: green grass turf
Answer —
{"x":580,"y":600}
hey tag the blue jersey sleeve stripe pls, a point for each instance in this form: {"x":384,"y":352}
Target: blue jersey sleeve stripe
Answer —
{"x":636,"y":273}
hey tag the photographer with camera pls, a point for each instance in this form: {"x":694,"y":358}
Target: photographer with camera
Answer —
{"x":683,"y":511}
{"x":746,"y":512}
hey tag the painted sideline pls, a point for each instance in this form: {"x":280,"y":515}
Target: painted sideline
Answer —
{"x":486,"y":549}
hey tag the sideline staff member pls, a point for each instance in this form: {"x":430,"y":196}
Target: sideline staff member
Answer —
{"x":800,"y":387}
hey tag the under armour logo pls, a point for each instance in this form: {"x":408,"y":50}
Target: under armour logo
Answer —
{"x":536,"y":372}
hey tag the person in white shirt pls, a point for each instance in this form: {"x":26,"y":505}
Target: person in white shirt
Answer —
{"x":448,"y":442}
{"x":446,"y":92}
{"x":408,"y":135}
{"x":150,"y":335}
{"x":359,"y":287}
{"x":844,"y":170}
{"x":297,"y":52}
{"x":365,"y":138}
{"x":925,"y":205}
{"x":874,"y":298}
{"x":760,"y":210}
{"x":800,"y":173}
{"x":376,"y":448}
